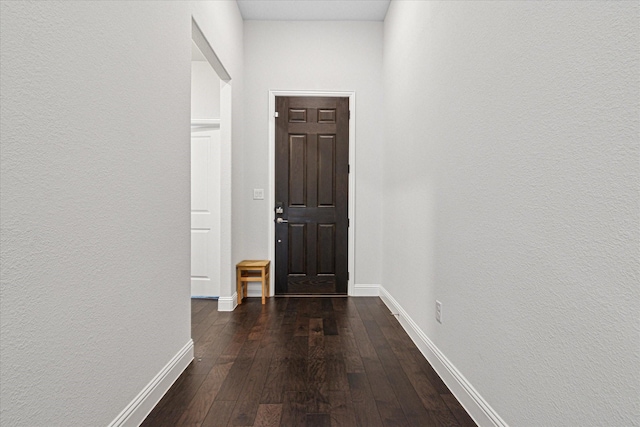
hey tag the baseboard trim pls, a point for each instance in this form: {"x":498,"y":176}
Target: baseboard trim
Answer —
{"x":363,"y":290}
{"x":228,"y":303}
{"x":135,"y":412}
{"x":478,"y":408}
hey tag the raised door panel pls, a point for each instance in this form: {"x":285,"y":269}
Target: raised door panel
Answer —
{"x":297,"y":170}
{"x":326,"y":249}
{"x":326,"y":170}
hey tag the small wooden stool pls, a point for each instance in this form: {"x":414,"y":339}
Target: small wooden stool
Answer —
{"x":253,"y":271}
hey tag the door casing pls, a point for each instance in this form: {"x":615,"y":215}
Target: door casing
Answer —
{"x":352,"y":175}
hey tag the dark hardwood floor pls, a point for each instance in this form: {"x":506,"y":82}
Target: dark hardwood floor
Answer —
{"x":305,"y":362}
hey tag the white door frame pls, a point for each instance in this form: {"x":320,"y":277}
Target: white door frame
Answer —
{"x":352,"y":176}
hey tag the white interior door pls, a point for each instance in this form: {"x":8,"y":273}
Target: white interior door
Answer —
{"x":205,"y":212}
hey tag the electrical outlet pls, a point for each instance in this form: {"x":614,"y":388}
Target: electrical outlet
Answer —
{"x":258,"y":194}
{"x":438,"y":311}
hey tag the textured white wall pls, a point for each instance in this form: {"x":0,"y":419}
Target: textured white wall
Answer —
{"x":95,"y":200}
{"x":511,"y":176}
{"x":329,"y":56}
{"x":205,"y":91}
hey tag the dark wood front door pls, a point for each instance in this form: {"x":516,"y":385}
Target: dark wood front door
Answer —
{"x":312,"y":188}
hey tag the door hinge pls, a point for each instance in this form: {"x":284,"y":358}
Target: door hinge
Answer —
{"x":348,"y":275}
{"x":348,"y":222}
{"x":276,"y":114}
{"x":348,"y":168}
{"x":349,"y":114}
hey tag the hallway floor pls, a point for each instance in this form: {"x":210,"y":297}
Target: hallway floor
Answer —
{"x":305,"y":362}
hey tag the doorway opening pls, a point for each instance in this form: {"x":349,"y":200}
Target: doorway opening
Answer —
{"x":211,"y":271}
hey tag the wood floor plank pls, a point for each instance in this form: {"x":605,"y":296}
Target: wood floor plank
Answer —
{"x":364,"y":405}
{"x":294,"y":409}
{"x":315,"y":307}
{"x":234,"y":382}
{"x":220,"y":343}
{"x":171,"y":412}
{"x":259,"y":327}
{"x":296,"y":374}
{"x":415,"y":371}
{"x":330,"y":326}
{"x":240,"y":336}
{"x":326,"y":306}
{"x":200,"y":328}
{"x":167,"y":399}
{"x":339,"y":304}
{"x":199,"y":406}
{"x":219,"y":414}
{"x":197,"y":305}
{"x":318,"y":420}
{"x":388,"y":406}
{"x":268,"y":415}
{"x":203,"y":345}
{"x":305,"y":362}
{"x":461,"y":415}
{"x":351,"y":354}
{"x":205,"y":309}
{"x":407,"y":396}
{"x":316,"y":384}
{"x":342,"y":414}
{"x":246,"y":408}
{"x":273,"y":390}
{"x":302,"y":319}
{"x":444,"y":418}
{"x":404,"y":341}
{"x":336,"y":368}
{"x":363,"y":342}
{"x":316,"y":332}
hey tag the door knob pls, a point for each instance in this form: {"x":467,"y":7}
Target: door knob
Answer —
{"x":281,"y":221}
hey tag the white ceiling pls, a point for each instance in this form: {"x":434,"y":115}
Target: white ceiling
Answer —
{"x":313,"y":10}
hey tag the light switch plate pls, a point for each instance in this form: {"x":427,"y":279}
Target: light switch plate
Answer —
{"x":258,"y":194}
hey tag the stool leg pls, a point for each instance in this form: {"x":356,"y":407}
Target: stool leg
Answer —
{"x":268,"y":282}
{"x":262,"y":276}
{"x":239,"y":285}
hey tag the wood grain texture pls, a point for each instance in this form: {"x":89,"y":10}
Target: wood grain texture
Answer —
{"x":268,"y":415}
{"x":336,"y":362}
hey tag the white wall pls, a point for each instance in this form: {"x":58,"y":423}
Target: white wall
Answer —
{"x":205,"y":91}
{"x":95,"y":200}
{"x":329,"y":56}
{"x":511,"y":195}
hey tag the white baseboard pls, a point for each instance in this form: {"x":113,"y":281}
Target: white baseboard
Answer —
{"x":228,"y":303}
{"x":481,"y":412}
{"x":366,"y":290}
{"x":135,"y":412}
